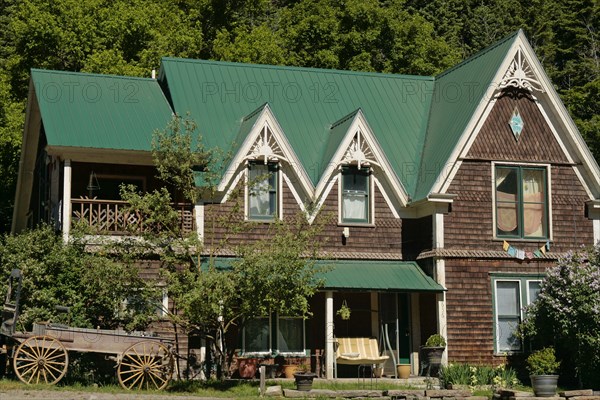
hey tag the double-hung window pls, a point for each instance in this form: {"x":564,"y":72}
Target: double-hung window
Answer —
{"x":262,"y":191}
{"x":521,"y":202}
{"x":511,"y":294}
{"x":355,"y":193}
{"x":282,"y":335}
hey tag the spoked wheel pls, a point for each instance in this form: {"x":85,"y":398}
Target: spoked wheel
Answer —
{"x":145,"y":365}
{"x":41,"y":359}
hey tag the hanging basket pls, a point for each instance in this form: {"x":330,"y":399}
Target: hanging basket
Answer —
{"x":344,"y":311}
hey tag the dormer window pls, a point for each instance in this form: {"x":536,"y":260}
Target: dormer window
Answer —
{"x":262,"y":191}
{"x":355,"y":195}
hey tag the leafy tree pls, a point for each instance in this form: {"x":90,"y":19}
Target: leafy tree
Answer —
{"x":94,"y":286}
{"x":566,"y":314}
{"x":272,"y":274}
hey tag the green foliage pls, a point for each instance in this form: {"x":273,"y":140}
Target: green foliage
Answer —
{"x":179,"y":155}
{"x":396,"y":36}
{"x":478,"y":375}
{"x":435,"y":340}
{"x":566,"y":314}
{"x":93,"y":285}
{"x":543,"y":362}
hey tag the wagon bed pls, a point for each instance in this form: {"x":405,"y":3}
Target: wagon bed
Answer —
{"x":144,"y":360}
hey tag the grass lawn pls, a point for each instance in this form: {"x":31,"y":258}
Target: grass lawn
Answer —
{"x":230,"y":388}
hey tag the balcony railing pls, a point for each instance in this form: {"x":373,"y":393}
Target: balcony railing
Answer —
{"x":112,"y":217}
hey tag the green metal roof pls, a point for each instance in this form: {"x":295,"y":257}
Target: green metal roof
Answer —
{"x":417,"y":121}
{"x":306,"y":103}
{"x":458,"y":93}
{"x":394,"y":276}
{"x":99,"y":111}
{"x":367,"y":275}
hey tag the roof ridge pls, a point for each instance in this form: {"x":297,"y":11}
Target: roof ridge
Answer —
{"x":345,"y":118}
{"x":112,"y":76}
{"x":298,"y":68}
{"x":256,"y":111}
{"x":479,"y":54}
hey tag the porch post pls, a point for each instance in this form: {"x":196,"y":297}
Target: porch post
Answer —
{"x":415,"y":310}
{"x":199,"y":214}
{"x":329,"y":338}
{"x":440,"y":277}
{"x":66,"y":201}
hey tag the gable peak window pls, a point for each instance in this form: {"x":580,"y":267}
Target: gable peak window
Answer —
{"x":262,"y":190}
{"x":521,"y":202}
{"x":355,"y":194}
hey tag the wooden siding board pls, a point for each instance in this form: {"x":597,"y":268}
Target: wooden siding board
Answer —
{"x":469,"y":306}
{"x":382,"y":238}
{"x":496,"y":140}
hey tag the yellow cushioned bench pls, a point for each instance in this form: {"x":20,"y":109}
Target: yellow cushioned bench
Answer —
{"x":357,"y":351}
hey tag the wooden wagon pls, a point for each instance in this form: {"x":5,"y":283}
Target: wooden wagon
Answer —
{"x":42,"y":355}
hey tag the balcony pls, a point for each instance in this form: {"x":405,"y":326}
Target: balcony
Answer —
{"x":112,"y":217}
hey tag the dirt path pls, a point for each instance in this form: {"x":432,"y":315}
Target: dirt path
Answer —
{"x":69,"y":395}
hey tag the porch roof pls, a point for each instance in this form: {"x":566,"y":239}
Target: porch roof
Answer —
{"x":391,"y":276}
{"x":365,"y":275}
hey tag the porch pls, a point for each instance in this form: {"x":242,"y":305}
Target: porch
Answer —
{"x":112,"y":217}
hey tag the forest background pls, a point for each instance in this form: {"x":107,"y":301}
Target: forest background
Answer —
{"x":420,"y":37}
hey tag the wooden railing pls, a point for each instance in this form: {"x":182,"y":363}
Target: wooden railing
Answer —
{"x":113,"y":216}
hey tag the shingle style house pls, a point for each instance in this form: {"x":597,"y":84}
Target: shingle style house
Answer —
{"x":451,"y":194}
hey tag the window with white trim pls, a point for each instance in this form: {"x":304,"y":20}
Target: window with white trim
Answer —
{"x":262,"y":191}
{"x":355,"y":204}
{"x":282,"y":335}
{"x":510,"y":295}
{"x":521,"y":202}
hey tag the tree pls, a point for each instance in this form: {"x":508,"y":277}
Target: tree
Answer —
{"x":271,"y":274}
{"x":93,"y":285}
{"x":566,"y":314}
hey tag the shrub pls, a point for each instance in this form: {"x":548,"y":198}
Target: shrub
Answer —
{"x":436,"y":340}
{"x":566,"y":315}
{"x":543,"y":362}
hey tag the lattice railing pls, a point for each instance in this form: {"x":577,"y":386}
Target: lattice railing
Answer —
{"x":114,"y":217}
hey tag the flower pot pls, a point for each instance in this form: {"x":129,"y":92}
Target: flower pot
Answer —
{"x":289,"y":370}
{"x":544,"y":385}
{"x":403,"y":371}
{"x":304,"y":380}
{"x":247,"y":367}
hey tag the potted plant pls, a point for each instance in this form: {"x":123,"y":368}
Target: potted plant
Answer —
{"x":432,"y":352}
{"x":543,"y":368}
{"x":304,"y":378}
{"x":344,"y":311}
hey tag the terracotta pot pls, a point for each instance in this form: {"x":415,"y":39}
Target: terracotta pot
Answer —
{"x":403,"y":371}
{"x":247,"y":367}
{"x":289,"y":370}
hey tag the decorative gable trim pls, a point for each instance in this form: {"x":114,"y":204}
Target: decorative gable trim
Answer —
{"x":360,"y":147}
{"x":522,"y":69}
{"x":266,"y":148}
{"x":520,"y":75}
{"x":266,"y":142}
{"x":359,"y":153}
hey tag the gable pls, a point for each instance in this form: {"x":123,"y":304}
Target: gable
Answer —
{"x":496,"y":140}
{"x":551,"y":133}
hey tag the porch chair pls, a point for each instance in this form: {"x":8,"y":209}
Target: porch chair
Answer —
{"x":360,"y":351}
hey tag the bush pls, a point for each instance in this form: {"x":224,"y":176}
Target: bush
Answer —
{"x":542,"y":362}
{"x":436,"y":340}
{"x":566,"y":316}
{"x":95,"y":287}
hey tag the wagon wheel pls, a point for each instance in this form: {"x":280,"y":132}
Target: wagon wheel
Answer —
{"x":41,"y":359}
{"x":145,"y":365}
